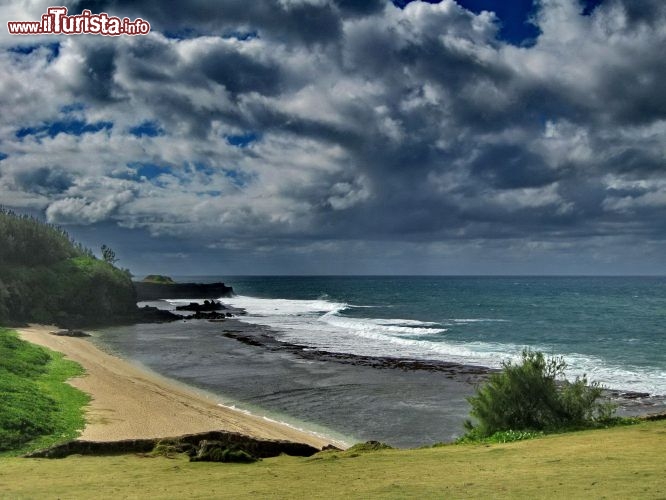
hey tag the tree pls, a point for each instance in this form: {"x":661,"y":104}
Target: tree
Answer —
{"x":109,"y":255}
{"x":535,"y":395}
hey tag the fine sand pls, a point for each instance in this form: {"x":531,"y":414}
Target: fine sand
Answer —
{"x":129,"y":402}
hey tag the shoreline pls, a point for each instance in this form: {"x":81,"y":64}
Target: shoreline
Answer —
{"x":132,"y":402}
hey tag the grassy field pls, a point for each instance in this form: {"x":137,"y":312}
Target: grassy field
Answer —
{"x":622,"y":462}
{"x":37,"y":407}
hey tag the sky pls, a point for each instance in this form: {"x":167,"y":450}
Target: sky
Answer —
{"x":346,"y":137}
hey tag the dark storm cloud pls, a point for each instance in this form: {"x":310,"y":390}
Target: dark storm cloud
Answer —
{"x":287,"y":20}
{"x":507,"y":166}
{"x":302,"y":124}
{"x":363,"y":7}
{"x":238,"y":73}
{"x":97,"y":82}
{"x":44,"y":180}
{"x":643,"y":12}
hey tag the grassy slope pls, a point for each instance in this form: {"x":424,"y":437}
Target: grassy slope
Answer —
{"x":623,"y":462}
{"x":35,"y":397}
{"x":159,"y":279}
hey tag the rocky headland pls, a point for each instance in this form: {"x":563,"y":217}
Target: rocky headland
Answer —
{"x":148,"y":290}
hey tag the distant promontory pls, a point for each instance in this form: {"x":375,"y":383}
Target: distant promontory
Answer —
{"x":156,"y":287}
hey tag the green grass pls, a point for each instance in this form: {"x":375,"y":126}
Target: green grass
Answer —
{"x":159,"y":279}
{"x":37,"y":407}
{"x":621,"y":462}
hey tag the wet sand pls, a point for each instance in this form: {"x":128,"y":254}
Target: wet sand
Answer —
{"x":129,"y":402}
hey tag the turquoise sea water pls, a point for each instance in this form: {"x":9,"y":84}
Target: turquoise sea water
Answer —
{"x":611,"y":328}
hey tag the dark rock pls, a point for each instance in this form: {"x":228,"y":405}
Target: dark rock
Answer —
{"x":654,"y":416}
{"x":474,"y":373}
{"x":330,"y":447}
{"x":209,"y":316}
{"x":208,"y":305}
{"x":634,"y":395}
{"x":149,"y":314}
{"x":94,"y":448}
{"x":245,"y":339}
{"x":157,"y":291}
{"x":258,"y":448}
{"x":70,"y":333}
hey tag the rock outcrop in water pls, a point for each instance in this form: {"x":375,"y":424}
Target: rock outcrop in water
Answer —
{"x":157,"y":291}
{"x":208,"y":305}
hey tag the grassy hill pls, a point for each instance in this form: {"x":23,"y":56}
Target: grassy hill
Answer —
{"x":159,"y":279}
{"x":46,"y":277}
{"x":622,"y":462}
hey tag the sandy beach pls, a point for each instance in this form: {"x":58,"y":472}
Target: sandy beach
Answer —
{"x":129,"y":402}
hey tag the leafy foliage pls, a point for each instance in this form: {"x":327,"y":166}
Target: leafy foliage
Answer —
{"x":158,"y":278}
{"x":108,"y":255}
{"x":37,"y":406}
{"x":45,"y":277}
{"x":535,"y":396}
{"x":30,"y":242}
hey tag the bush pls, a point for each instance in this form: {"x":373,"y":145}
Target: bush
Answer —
{"x":529,"y":397}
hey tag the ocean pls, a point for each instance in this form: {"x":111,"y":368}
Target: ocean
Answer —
{"x":613,"y":329}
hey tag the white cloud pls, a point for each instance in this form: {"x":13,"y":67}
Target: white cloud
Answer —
{"x":412,"y":122}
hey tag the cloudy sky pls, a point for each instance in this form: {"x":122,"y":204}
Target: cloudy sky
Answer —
{"x":346,"y":137}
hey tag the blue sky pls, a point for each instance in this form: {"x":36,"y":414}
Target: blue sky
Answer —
{"x":342,"y":137}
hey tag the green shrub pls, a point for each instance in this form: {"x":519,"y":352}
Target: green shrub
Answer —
{"x":534,"y":395}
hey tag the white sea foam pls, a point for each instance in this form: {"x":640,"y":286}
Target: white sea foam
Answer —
{"x":284,"y":307}
{"x":319,"y":324}
{"x":381,"y":326}
{"x":328,"y":435}
{"x":478,"y":320}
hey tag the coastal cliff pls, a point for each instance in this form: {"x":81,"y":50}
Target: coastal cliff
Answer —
{"x":156,"y":291}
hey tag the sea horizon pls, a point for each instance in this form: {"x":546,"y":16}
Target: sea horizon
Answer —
{"x":180,"y":277}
